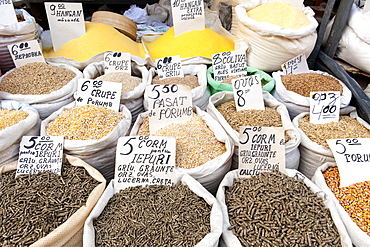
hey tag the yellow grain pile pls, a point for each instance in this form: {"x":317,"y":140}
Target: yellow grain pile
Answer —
{"x":98,"y":38}
{"x":279,"y":13}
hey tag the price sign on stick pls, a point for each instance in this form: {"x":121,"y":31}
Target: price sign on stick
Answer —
{"x":187,"y":15}
{"x":168,"y":104}
{"x":168,"y":67}
{"x":324,"y":107}
{"x":100,"y":93}
{"x":39,"y":154}
{"x":117,"y":62}
{"x":144,"y":160}
{"x":353,"y":159}
{"x":8,"y":16}
{"x":261,"y":149}
{"x":295,"y":65}
{"x":230,"y":63}
{"x":26,"y":52}
{"x":248,"y":93}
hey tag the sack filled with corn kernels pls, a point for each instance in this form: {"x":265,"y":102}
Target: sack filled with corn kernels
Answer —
{"x":211,"y":238}
{"x":314,"y":149}
{"x":356,"y":194}
{"x":273,"y":42}
{"x":292,"y":136}
{"x":44,"y":86}
{"x":17,"y":119}
{"x":90,"y":133}
{"x":203,"y":149}
{"x":133,"y":87}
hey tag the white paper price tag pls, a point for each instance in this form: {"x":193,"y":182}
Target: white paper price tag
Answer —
{"x":324,"y":107}
{"x":229,"y":63}
{"x":8,"y":16}
{"x":168,"y":67}
{"x":261,"y":149}
{"x":117,"y":62}
{"x":66,"y":22}
{"x":188,"y":15}
{"x":353,"y":159}
{"x":295,"y":65}
{"x":26,"y":52}
{"x":39,"y":154}
{"x":100,"y":93}
{"x":144,"y":160}
{"x":168,"y":104}
{"x":248,"y":93}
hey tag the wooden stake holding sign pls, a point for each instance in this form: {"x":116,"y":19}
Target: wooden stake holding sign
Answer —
{"x":26,"y":52}
{"x":8,"y":16}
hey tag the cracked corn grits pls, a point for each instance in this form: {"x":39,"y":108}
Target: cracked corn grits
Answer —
{"x":88,"y":122}
{"x":196,"y":143}
{"x":11,"y":117}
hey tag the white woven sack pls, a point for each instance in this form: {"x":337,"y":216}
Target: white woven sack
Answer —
{"x":358,"y":237}
{"x":11,"y":136}
{"x":229,"y":239}
{"x":133,"y":100}
{"x":100,"y":153}
{"x":210,"y":240}
{"x":200,"y":94}
{"x":211,"y":173}
{"x":292,"y":155}
{"x":46,"y":104}
{"x":314,"y":155}
{"x":297,"y":103}
{"x":271,"y":45}
{"x":70,"y":232}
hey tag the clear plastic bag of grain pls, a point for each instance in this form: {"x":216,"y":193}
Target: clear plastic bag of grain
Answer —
{"x":222,"y":107}
{"x":276,"y":209}
{"x":195,"y":76}
{"x":185,"y":214}
{"x":203,"y":149}
{"x":294,"y":90}
{"x":46,"y":209}
{"x":133,"y":86}
{"x":314,"y":149}
{"x":44,"y":86}
{"x":352,"y":202}
{"x":90,"y":133}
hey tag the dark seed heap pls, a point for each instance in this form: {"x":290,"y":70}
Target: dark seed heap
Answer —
{"x":31,"y":206}
{"x":156,"y":215}
{"x":272,"y":209}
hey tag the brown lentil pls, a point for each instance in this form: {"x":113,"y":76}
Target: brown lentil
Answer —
{"x":156,"y":215}
{"x":11,"y":117}
{"x":88,"y":122}
{"x":305,"y":83}
{"x":346,"y":127}
{"x":273,"y":209}
{"x":188,"y":80}
{"x":128,"y":81}
{"x":355,"y":199}
{"x":31,"y":206}
{"x":196,"y":143}
{"x":36,"y":78}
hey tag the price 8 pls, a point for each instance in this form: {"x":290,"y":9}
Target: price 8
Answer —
{"x":248,"y":93}
{"x":324,"y":107}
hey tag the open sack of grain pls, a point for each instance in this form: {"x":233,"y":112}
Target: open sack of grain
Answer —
{"x":352,"y":202}
{"x":222,"y":108}
{"x":46,"y":209}
{"x":314,"y":149}
{"x":44,"y":86}
{"x":194,"y":77}
{"x":184,"y":214}
{"x":275,"y":32}
{"x":133,"y":86}
{"x":203,"y":149}
{"x":294,"y":90}
{"x":276,"y":209}
{"x":90,"y":133}
{"x":17,"y":119}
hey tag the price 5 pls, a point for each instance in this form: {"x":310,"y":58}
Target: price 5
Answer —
{"x":165,"y":89}
{"x":32,"y":140}
{"x":129,"y":146}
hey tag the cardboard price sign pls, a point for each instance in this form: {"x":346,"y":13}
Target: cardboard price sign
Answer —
{"x":248,"y":93}
{"x":144,"y":160}
{"x":187,"y":15}
{"x":168,"y":67}
{"x":26,"y":52}
{"x":352,"y":158}
{"x":8,"y":16}
{"x":229,"y":63}
{"x":39,"y":154}
{"x":324,"y":107}
{"x":261,"y":149}
{"x":295,"y":65}
{"x":117,"y":62}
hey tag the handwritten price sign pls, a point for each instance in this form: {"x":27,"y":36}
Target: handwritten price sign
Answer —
{"x":324,"y":107}
{"x":248,"y":93}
